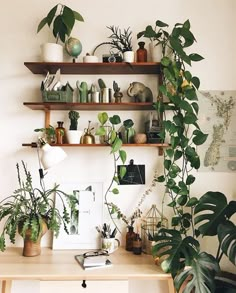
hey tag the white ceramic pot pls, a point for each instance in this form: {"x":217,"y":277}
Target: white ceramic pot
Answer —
{"x":128,"y":56}
{"x":73,"y":136}
{"x":52,"y":52}
{"x":155,"y":52}
{"x":90,"y":59}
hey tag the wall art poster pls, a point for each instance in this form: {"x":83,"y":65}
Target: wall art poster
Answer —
{"x":83,"y":221}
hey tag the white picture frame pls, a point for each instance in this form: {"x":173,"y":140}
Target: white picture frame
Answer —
{"x":82,"y":229}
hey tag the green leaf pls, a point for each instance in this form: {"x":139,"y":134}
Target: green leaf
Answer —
{"x":174,"y":141}
{"x":172,"y":204}
{"x":68,"y":18}
{"x":123,"y":155}
{"x":178,"y":154}
{"x":167,"y":164}
{"x":195,"y":107}
{"x":115,"y":119}
{"x":175,"y":221}
{"x":211,"y":211}
{"x":178,"y":119}
{"x":113,"y":136}
{"x":169,"y":153}
{"x":128,"y":123}
{"x":169,"y":243}
{"x":42,"y":24}
{"x":227,"y":238}
{"x":122,"y":171}
{"x":182,"y":199}
{"x":102,"y":117}
{"x":190,"y":118}
{"x":100,"y":131}
{"x":184,"y":105}
{"x":190,"y":179}
{"x":195,"y":80}
{"x":51,"y":14}
{"x":195,"y":57}
{"x":165,"y":61}
{"x":199,"y":277}
{"x":78,"y":16}
{"x":192,"y":202}
{"x":190,"y":93}
{"x":199,"y":137}
{"x":116,"y":145}
{"x":161,"y":24}
{"x":115,"y":191}
{"x":161,"y":178}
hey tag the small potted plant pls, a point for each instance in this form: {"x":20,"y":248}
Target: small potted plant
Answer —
{"x":73,"y":134}
{"x":31,"y":211}
{"x":158,"y":39}
{"x":49,"y":133}
{"x":61,"y":19}
{"x":120,"y":41}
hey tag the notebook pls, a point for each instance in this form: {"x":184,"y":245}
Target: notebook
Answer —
{"x":95,"y":262}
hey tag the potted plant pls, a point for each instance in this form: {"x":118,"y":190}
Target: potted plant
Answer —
{"x":61,"y":19}
{"x":49,"y":133}
{"x":193,"y":217}
{"x":120,"y":41}
{"x":158,"y":38}
{"x":73,"y":134}
{"x":31,"y":211}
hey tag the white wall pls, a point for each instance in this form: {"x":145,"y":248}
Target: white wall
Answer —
{"x":213,"y":23}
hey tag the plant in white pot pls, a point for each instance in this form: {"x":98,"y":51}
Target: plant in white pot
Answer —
{"x":61,"y":19}
{"x":73,"y":134}
{"x":121,"y":41}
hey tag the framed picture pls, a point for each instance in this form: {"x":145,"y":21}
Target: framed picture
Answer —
{"x":83,"y":222}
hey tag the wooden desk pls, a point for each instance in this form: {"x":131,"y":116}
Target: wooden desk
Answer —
{"x":60,"y":265}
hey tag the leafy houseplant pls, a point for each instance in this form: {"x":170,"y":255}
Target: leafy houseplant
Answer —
{"x":61,"y":23}
{"x":49,"y":133}
{"x":119,"y":40}
{"x":158,"y":37}
{"x":207,"y":215}
{"x":29,"y":208}
{"x":73,"y":134}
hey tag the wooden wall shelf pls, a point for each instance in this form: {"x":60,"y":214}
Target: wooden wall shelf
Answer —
{"x":94,"y":68}
{"x":89,"y":106}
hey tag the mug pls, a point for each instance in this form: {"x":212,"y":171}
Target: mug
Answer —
{"x":110,"y":244}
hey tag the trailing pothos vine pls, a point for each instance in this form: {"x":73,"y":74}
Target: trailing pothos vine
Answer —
{"x":193,"y":216}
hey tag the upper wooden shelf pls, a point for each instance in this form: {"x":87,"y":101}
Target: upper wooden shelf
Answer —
{"x":89,"y":106}
{"x":93,"y":68}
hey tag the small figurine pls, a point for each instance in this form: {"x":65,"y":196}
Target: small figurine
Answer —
{"x":140,"y":92}
{"x":117,"y":93}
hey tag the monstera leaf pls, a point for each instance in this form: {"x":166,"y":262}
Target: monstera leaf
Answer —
{"x":199,"y":277}
{"x":179,"y":252}
{"x":227,"y":239}
{"x":211,"y":211}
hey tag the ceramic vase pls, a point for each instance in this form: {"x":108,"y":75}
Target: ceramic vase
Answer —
{"x":155,"y":52}
{"x":73,"y":136}
{"x":52,"y":52}
{"x":32,"y":248}
{"x":128,"y":56}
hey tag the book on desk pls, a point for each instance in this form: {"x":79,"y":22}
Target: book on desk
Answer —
{"x":89,"y":263}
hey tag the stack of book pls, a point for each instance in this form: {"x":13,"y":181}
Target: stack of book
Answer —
{"x":93,"y":262}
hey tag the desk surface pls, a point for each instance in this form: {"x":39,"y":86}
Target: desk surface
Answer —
{"x":53,"y":265}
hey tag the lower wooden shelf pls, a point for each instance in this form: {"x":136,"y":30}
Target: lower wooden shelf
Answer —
{"x":158,"y":145}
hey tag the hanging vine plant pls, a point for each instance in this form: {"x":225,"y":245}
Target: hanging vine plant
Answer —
{"x":193,"y":216}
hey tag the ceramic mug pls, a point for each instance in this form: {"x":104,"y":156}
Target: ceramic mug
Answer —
{"x":110,"y":244}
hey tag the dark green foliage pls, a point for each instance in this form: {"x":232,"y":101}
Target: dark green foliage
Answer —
{"x":62,"y":23}
{"x":193,"y":216}
{"x":29,"y":206}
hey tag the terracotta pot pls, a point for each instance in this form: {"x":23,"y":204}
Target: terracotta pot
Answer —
{"x":32,"y":248}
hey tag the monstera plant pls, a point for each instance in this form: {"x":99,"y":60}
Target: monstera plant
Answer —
{"x":179,"y":247}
